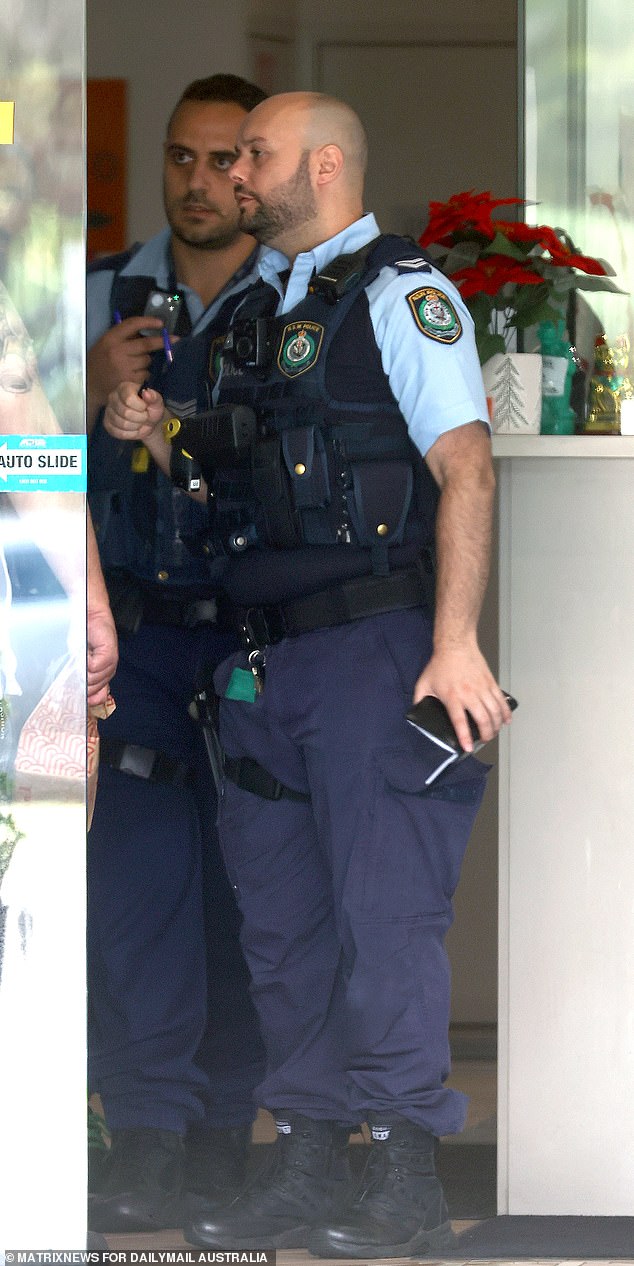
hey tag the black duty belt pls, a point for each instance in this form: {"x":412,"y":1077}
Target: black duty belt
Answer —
{"x":144,"y":762}
{"x":353,"y":600}
{"x":179,"y":612}
{"x":133,"y":604}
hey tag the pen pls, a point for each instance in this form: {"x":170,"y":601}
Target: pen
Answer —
{"x":116,"y":316}
{"x":169,"y":355}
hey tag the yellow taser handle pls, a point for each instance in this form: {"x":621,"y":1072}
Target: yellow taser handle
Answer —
{"x":171,"y":428}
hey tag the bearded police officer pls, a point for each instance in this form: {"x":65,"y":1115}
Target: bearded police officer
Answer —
{"x":368,"y":454}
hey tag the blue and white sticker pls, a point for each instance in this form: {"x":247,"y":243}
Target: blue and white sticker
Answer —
{"x":43,"y":463}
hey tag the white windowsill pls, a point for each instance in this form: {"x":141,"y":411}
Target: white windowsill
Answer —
{"x":563,"y":446}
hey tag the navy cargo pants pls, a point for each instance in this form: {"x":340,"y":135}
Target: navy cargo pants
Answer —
{"x":173,"y":1035}
{"x":346,"y":899}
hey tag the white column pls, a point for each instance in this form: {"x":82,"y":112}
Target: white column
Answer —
{"x":566,"y":1143}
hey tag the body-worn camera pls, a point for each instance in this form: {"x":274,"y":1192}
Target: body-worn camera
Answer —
{"x":166,"y":306}
{"x":251,"y":343}
{"x":223,"y":437}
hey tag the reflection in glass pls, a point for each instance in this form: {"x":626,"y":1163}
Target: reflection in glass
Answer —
{"x":42,"y":899}
{"x":580,"y":139}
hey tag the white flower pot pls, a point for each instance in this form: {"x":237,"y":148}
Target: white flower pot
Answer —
{"x":513,"y":386}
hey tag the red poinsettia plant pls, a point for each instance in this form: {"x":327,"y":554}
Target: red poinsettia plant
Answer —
{"x":511,"y":275}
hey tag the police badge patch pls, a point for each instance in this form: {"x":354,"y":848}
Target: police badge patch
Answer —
{"x":435,"y":315}
{"x":300,"y":347}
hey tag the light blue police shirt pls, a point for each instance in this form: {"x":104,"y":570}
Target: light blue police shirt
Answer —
{"x":153,"y":260}
{"x":438,"y":385}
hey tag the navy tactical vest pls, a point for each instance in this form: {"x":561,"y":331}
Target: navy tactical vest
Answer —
{"x":333,"y":465}
{"x":143,"y":524}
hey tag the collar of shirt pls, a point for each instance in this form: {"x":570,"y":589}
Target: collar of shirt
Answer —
{"x":244,"y":276}
{"x":273,"y":262}
{"x":154,"y":259}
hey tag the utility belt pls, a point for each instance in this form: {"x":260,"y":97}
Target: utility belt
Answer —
{"x":158,"y":767}
{"x":144,"y":762}
{"x":133,"y":604}
{"x":179,"y":612}
{"x":358,"y":599}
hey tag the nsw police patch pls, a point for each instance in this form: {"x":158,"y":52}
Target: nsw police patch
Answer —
{"x":435,"y":314}
{"x":300,"y":347}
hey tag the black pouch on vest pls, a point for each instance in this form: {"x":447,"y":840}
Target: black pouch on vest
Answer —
{"x":379,"y":501}
{"x":272,"y":487}
{"x":305,"y":457}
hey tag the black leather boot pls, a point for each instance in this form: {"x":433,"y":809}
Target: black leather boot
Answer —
{"x":215,"y":1166}
{"x":141,"y":1187}
{"x":400,"y":1209}
{"x":308,"y":1174}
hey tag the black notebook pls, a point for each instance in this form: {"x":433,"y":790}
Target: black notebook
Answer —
{"x":430,"y":717}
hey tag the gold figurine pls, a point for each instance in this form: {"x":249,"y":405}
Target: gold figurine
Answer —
{"x":609,"y":386}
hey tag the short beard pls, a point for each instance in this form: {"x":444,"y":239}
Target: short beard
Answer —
{"x":217,"y":243}
{"x":292,"y":204}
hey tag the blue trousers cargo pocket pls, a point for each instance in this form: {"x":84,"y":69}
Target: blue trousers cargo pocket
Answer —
{"x":411,"y":861}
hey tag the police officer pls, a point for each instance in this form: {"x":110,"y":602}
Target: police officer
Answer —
{"x":173,"y":1036}
{"x":371,"y":452}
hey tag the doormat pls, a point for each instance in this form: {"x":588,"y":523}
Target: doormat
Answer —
{"x":514,"y":1238}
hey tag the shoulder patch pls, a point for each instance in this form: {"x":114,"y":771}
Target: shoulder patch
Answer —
{"x":435,"y":314}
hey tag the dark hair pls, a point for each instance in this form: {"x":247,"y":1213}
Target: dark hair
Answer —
{"x":229,"y":88}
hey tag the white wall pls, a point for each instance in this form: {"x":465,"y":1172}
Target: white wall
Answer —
{"x":567,"y":806}
{"x":159,"y":47}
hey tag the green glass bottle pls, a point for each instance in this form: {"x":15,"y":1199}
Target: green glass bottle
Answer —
{"x":558,"y":368}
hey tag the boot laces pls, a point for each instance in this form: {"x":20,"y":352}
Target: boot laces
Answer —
{"x":390,"y":1173}
{"x":297,"y":1171}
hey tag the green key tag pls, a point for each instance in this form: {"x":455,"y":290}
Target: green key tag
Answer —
{"x":242,"y":686}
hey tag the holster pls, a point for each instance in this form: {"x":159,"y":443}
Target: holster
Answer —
{"x":204,"y":708}
{"x":126,"y":600}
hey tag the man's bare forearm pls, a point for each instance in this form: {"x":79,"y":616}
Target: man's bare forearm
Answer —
{"x":463,"y":548}
{"x":457,"y":672}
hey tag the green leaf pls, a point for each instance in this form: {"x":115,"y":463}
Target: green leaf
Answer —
{"x":528,"y":297}
{"x":532,"y":316}
{"x":436,"y":252}
{"x":462,"y":255}
{"x":480,"y":306}
{"x":588,"y":282}
{"x":488,"y":344}
{"x":501,"y":246}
